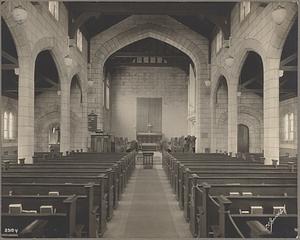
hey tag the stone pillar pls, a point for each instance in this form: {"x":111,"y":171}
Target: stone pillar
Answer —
{"x":232,"y":119}
{"x":26,"y":109}
{"x":271,"y":111}
{"x":84,"y":130}
{"x":213,"y":125}
{"x":65,"y":118}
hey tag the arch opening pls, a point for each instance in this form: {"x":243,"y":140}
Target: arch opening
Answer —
{"x":144,"y":71}
{"x":47,"y":93}
{"x":250,"y":103}
{"x":9,"y":91}
{"x":221,"y":115}
{"x":76,"y":113}
{"x":288,"y":92}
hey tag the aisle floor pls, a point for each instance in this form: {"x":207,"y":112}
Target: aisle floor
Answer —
{"x":148,"y":209}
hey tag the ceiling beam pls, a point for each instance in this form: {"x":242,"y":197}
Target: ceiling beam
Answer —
{"x":251,"y":80}
{"x":9,"y":57}
{"x":145,"y":54}
{"x":35,"y":89}
{"x":222,"y":23}
{"x":288,"y":59}
{"x":74,"y":25}
{"x":48,"y":80}
{"x":149,"y":8}
{"x":283,"y":82}
{"x":7,"y":66}
{"x":289,"y":68}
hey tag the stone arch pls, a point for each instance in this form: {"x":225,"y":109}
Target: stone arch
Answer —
{"x":18,"y":32}
{"x":249,"y":45}
{"x":50,"y":43}
{"x":153,"y":31}
{"x":280,"y":33}
{"x":136,"y":28}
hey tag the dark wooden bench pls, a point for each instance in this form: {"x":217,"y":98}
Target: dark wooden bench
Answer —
{"x":62,"y":223}
{"x":231,"y":223}
{"x":86,"y":209}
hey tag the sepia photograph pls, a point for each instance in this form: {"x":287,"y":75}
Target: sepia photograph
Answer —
{"x":152,"y":120}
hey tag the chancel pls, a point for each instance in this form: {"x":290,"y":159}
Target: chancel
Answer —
{"x":136,"y":119}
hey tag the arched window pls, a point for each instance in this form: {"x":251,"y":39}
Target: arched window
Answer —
{"x":107,"y":93}
{"x":5,"y":125}
{"x":245,"y":7}
{"x":53,"y":8}
{"x":79,"y":40}
{"x":8,"y":125}
{"x":219,"y":41}
{"x":289,"y":127}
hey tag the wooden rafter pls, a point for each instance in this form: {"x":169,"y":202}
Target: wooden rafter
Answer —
{"x":74,"y":25}
{"x":9,"y":66}
{"x":288,"y":59}
{"x":251,"y":80}
{"x":48,"y":80}
{"x":9,"y":57}
{"x":289,"y":68}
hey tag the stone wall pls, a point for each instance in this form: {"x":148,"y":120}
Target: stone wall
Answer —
{"x":287,"y":107}
{"x":168,"y":83}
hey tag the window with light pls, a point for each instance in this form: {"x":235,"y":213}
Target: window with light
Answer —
{"x":79,"y":40}
{"x":107,"y":93}
{"x":8,"y":125}
{"x":289,"y":127}
{"x":219,"y":41}
{"x":245,"y":7}
{"x":54,"y":8}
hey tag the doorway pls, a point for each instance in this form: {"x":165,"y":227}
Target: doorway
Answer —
{"x":243,"y":138}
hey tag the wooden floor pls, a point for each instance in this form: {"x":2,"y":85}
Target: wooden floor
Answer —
{"x":148,"y":209}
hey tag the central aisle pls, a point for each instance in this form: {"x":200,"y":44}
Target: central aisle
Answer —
{"x":148,"y":209}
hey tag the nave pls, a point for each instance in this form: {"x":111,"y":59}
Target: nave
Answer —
{"x":148,"y":209}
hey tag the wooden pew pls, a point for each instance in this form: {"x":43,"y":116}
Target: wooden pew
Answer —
{"x":60,"y":224}
{"x":202,"y":194}
{"x":229,"y":218}
{"x":99,"y":180}
{"x":86,"y":209}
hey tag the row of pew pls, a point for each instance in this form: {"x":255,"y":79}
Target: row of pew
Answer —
{"x":73,"y":196}
{"x":228,"y":197}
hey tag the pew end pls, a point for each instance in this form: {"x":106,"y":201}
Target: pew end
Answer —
{"x":34,"y":229}
{"x":258,"y":230}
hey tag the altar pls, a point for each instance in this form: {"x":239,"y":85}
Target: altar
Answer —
{"x":149,"y":141}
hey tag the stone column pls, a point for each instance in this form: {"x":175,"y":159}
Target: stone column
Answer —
{"x":213,"y":125}
{"x":271,"y":111}
{"x":26,"y":109}
{"x":65,"y":118}
{"x":232,"y":119}
{"x":84,"y":130}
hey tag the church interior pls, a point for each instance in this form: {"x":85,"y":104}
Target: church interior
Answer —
{"x":152,"y":120}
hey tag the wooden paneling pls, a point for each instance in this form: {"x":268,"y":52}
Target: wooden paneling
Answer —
{"x":149,"y":110}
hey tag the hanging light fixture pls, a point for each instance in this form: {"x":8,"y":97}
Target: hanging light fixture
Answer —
{"x":17,"y":71}
{"x":229,"y":61}
{"x":280,"y":73}
{"x":19,"y":14}
{"x":279,"y":14}
{"x":68,"y":60}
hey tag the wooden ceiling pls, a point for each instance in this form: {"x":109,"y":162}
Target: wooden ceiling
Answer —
{"x":202,"y":17}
